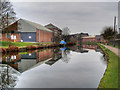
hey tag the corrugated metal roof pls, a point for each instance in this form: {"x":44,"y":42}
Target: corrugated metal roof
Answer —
{"x":36,"y":25}
{"x":53,"y":26}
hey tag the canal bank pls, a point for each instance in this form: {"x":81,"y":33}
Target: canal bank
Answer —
{"x":24,"y":47}
{"x":82,"y":67}
{"x":111,"y":75}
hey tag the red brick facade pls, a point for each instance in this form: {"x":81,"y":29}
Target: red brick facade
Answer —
{"x":57,"y":33}
{"x":102,"y":40}
{"x":89,"y":39}
{"x":45,"y":36}
{"x":13,"y":27}
{"x":44,"y":55}
{"x":18,"y":39}
{"x":94,"y":47}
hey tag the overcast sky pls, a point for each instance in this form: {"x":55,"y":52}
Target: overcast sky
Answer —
{"x":88,"y":17}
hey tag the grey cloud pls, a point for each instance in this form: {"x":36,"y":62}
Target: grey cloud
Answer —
{"x":88,"y":17}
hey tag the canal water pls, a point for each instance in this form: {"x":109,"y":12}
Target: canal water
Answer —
{"x":80,"y":66}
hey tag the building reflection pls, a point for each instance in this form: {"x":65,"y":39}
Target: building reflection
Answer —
{"x":8,"y":76}
{"x":56,"y":56}
{"x":14,"y":64}
{"x":25,"y":62}
{"x":82,"y":48}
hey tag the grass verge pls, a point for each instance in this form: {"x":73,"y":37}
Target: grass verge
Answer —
{"x":5,"y":44}
{"x":111,"y":75}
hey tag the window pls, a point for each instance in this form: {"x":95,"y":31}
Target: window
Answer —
{"x":8,"y":35}
{"x":13,"y":57}
{"x":29,"y":37}
{"x":0,"y":35}
{"x":30,"y":54}
{"x":21,"y":40}
{"x":13,"y":37}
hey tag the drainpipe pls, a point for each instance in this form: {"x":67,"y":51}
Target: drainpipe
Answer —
{"x":39,"y":35}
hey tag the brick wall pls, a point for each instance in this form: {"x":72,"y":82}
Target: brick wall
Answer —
{"x":89,"y":39}
{"x":44,"y":55}
{"x":18,"y":37}
{"x":45,"y":36}
{"x":13,"y":27}
{"x":94,"y":47}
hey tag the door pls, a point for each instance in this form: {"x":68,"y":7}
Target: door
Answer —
{"x":28,"y":36}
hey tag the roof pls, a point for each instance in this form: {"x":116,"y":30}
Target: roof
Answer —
{"x":84,"y":34}
{"x":89,"y":37}
{"x":53,"y":26}
{"x":36,"y":25}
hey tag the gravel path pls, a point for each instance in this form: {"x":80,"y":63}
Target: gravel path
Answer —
{"x":113,"y":49}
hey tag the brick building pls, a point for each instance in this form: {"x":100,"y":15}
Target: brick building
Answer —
{"x":27,"y":31}
{"x":89,"y":39}
{"x":102,"y":40}
{"x":57,"y":32}
{"x":96,"y":38}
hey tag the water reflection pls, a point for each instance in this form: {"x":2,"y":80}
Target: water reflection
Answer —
{"x":14,"y":64}
{"x":9,"y":76}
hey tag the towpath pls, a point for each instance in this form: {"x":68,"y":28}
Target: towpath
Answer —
{"x":113,"y":49}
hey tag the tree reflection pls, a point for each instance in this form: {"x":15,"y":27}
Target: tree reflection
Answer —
{"x":104,"y":59}
{"x":8,"y":76}
{"x":65,"y":55}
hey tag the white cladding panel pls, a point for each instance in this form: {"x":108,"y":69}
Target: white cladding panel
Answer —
{"x":25,"y":27}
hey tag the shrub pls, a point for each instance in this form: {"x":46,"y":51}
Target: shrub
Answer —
{"x":2,"y":50}
{"x":31,"y":47}
{"x":31,"y":51}
{"x":12,"y":49}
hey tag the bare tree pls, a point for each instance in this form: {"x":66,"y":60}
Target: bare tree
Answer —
{"x":66,"y":56}
{"x":7,"y":15}
{"x":66,"y":33}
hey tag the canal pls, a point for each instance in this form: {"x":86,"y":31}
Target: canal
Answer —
{"x":80,"y":66}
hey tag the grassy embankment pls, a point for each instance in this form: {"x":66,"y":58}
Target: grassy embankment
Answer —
{"x":110,"y":78}
{"x":5,"y":44}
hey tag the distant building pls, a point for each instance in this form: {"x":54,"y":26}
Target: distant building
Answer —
{"x":89,"y":39}
{"x":84,"y":34}
{"x":98,"y":37}
{"x":27,"y":31}
{"x":57,"y":32}
{"x":95,"y":38}
{"x":102,"y":40}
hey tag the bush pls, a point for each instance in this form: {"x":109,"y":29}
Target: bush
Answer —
{"x":2,"y":50}
{"x":31,"y":47}
{"x":12,"y":49}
